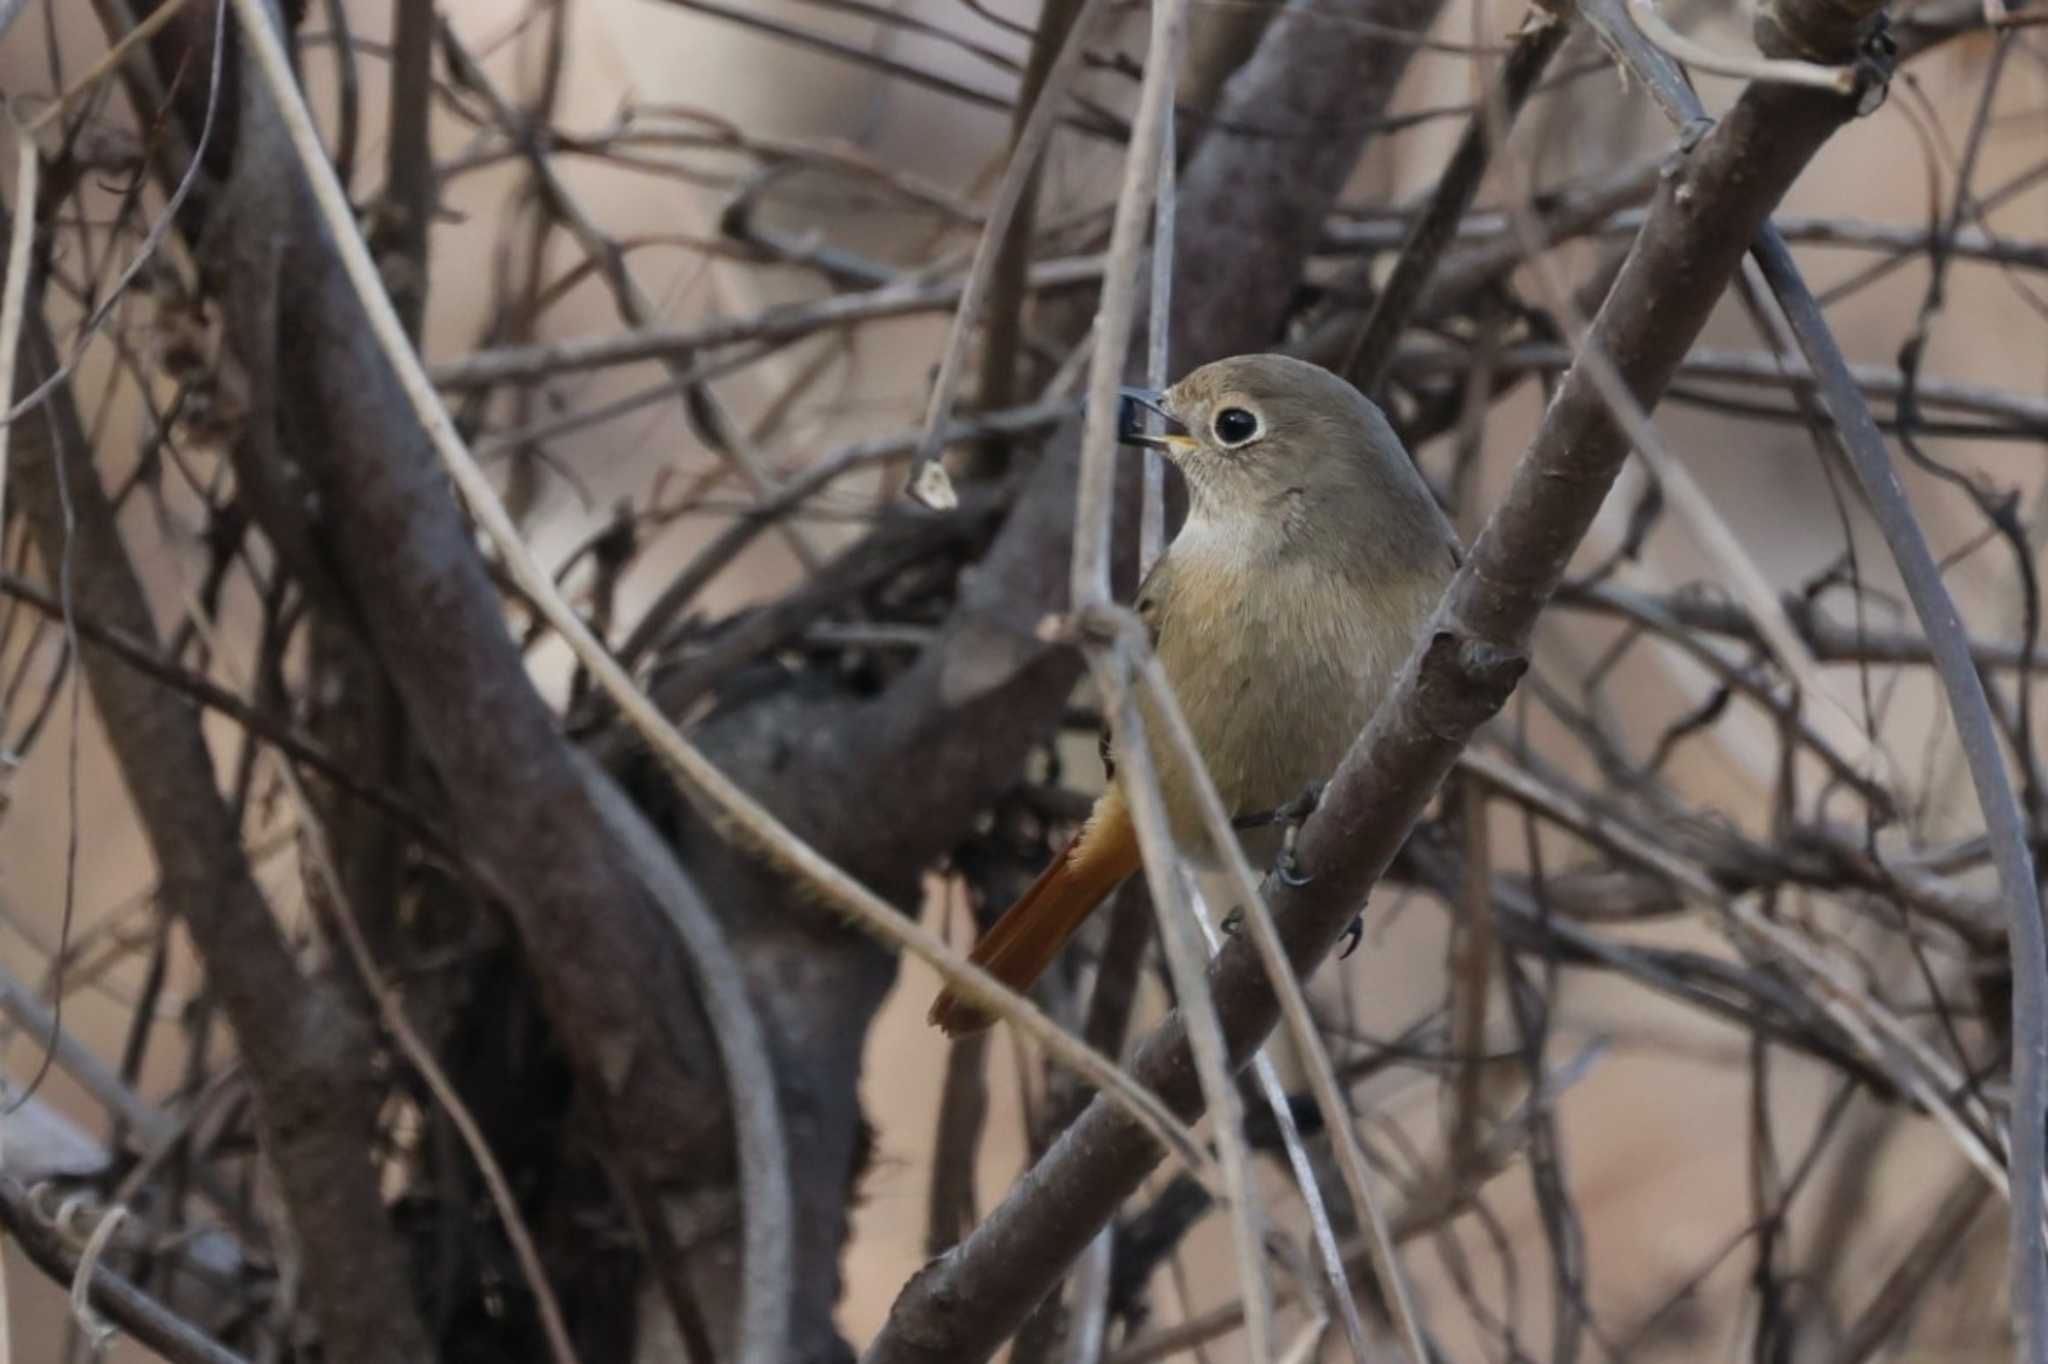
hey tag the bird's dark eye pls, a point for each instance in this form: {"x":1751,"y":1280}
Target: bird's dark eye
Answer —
{"x":1235,"y":426}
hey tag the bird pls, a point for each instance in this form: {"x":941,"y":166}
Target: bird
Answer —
{"x":1310,"y":559}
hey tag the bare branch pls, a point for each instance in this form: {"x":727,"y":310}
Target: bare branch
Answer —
{"x":306,"y":1051}
{"x":1367,"y":357}
{"x":140,"y":1315}
{"x":1804,"y":27}
{"x":995,"y":246}
{"x":1706,"y":213}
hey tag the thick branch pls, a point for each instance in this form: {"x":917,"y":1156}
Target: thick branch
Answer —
{"x":307,"y":1053}
{"x":606,"y":963}
{"x":1292,"y":123}
{"x":1709,"y":208}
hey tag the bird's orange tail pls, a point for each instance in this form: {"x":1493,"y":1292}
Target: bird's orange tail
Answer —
{"x":1031,"y":932}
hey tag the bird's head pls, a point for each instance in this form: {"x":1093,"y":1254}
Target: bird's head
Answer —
{"x":1255,"y":428}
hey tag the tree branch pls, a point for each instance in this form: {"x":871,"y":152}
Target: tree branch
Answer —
{"x":1371,"y":350}
{"x":1707,"y":211}
{"x":149,"y":1321}
{"x":608,"y":968}
{"x":1826,"y":29}
{"x":306,"y":1051}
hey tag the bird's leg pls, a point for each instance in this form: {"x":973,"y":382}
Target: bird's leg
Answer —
{"x":1292,"y":815}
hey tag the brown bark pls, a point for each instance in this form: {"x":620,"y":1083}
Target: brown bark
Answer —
{"x":883,"y":785}
{"x":169,"y":1335}
{"x":961,"y":1306}
{"x":398,"y":547}
{"x":1287,"y":134}
{"x":307,"y":1053}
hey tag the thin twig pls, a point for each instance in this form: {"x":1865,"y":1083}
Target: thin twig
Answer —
{"x":2004,"y":822}
{"x":635,"y":306}
{"x":19,"y":1002}
{"x":1371,"y":350}
{"x":783,"y":323}
{"x":1093,"y":519}
{"x":2029,"y":414}
{"x":158,"y":230}
{"x":1751,"y":586}
{"x":145,"y":1318}
{"x":1839,"y":79}
{"x":14,"y":295}
{"x":1343,"y":1299}
{"x":1090,"y":1323}
{"x":554,"y":1327}
{"x":1433,"y":1204}
{"x":293,"y":743}
{"x":861,"y":56}
{"x":1963,"y":687}
{"x":115,"y":54}
{"x":759,"y":1136}
{"x":1159,"y":330}
{"x":928,"y":481}
{"x":714,"y":557}
{"x":1186,"y":960}
{"x":1875,"y":1329}
{"x":1095,"y":490}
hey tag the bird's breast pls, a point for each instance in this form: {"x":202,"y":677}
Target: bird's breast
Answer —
{"x":1277,"y":664}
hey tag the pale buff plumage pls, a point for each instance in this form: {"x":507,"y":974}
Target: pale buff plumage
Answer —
{"x":1310,"y":559}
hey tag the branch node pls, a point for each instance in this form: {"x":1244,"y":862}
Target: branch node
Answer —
{"x":933,"y":488}
{"x":1876,"y":59}
{"x":1492,"y":668}
{"x":1103,"y":624}
{"x":1056,"y":627}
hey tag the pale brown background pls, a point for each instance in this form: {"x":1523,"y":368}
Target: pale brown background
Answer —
{"x":1653,"y":1134}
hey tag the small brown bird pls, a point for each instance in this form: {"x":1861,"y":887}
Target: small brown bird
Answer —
{"x":1311,"y":557}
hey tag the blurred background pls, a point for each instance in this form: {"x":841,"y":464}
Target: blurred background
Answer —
{"x":750,"y":156}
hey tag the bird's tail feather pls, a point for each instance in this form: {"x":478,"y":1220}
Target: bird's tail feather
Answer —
{"x":1032,"y":931}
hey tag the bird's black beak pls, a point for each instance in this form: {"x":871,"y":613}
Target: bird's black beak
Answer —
{"x":1132,"y":405}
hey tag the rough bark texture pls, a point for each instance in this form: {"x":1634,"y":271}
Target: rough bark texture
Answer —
{"x":307,"y":1053}
{"x":884,"y":784}
{"x":887,"y":785}
{"x":385,"y":524}
{"x":1707,"y":211}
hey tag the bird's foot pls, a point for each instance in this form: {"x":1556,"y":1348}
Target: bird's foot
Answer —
{"x":1233,"y":921}
{"x":1287,"y":866}
{"x":1353,"y":936}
